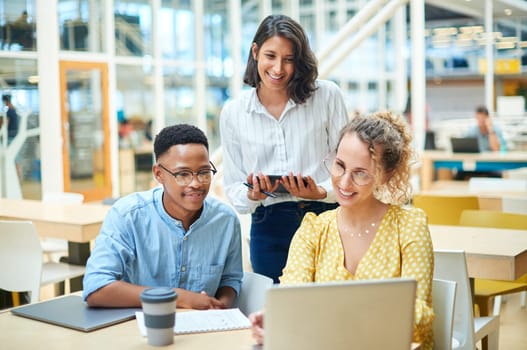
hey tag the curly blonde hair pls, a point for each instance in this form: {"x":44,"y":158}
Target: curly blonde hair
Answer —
{"x":390,"y":135}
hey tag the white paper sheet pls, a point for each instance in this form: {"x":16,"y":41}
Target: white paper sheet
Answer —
{"x":199,"y":321}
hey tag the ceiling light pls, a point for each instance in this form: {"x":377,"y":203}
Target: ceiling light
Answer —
{"x":509,"y":38}
{"x":505,"y":45}
{"x":471,"y":29}
{"x":445,"y":31}
{"x":508,"y":12}
{"x":33,"y":79}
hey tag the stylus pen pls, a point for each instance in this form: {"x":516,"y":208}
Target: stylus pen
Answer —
{"x":264,"y":192}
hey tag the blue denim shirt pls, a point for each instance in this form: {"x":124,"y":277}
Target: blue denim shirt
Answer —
{"x":483,"y":140}
{"x":141,"y":244}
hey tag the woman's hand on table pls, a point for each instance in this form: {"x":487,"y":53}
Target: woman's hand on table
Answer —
{"x":257,"y":329}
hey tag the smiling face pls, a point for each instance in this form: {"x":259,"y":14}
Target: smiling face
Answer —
{"x":275,"y":63}
{"x":353,"y":155}
{"x":183,"y":202}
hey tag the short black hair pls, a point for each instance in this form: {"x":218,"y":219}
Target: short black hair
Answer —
{"x":178,"y":134}
{"x":6,"y":98}
{"x":482,"y":110}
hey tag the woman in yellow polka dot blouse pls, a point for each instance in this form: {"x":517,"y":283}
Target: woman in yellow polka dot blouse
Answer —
{"x":370,"y":236}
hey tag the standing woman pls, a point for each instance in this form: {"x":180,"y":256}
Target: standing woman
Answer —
{"x":285,"y":125}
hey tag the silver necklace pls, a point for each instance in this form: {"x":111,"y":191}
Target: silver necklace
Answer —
{"x":366,"y":232}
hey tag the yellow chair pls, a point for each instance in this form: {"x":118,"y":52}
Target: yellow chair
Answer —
{"x":443,"y":209}
{"x":485,"y":290}
{"x":492,"y":218}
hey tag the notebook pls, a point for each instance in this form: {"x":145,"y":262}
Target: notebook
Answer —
{"x":200,"y":321}
{"x":342,"y":315}
{"x":72,"y":312}
{"x":464,"y":144}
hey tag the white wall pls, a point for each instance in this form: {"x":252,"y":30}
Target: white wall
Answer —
{"x":454,"y":101}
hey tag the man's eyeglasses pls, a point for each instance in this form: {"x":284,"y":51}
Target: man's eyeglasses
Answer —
{"x":359,"y":177}
{"x":185,"y":177}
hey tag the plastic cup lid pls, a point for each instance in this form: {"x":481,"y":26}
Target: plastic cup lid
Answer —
{"x":158,"y":295}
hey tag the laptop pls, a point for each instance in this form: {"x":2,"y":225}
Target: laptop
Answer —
{"x":347,"y":315}
{"x":72,"y":312}
{"x":464,"y":144}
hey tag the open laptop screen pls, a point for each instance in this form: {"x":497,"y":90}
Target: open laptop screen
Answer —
{"x":342,"y":315}
{"x":464,"y":144}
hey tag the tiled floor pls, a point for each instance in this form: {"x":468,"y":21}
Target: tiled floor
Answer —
{"x":513,"y":324}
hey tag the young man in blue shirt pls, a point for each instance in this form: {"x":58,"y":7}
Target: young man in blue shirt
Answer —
{"x":490,"y":137}
{"x":172,"y":236}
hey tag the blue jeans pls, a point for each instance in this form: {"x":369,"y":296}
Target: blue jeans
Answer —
{"x":272,"y":229}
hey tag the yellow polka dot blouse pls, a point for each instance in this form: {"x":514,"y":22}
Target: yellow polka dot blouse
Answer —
{"x":402,"y":247}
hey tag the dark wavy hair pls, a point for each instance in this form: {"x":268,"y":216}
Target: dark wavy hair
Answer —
{"x":179,"y":134}
{"x":302,"y":84}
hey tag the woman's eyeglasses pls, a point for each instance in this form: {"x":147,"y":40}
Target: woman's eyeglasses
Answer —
{"x":359,"y":177}
{"x":185,"y":177}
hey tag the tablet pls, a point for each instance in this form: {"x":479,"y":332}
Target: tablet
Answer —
{"x":281,"y":188}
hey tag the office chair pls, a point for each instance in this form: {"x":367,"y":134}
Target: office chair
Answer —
{"x":451,"y":265}
{"x":443,"y":302}
{"x":23,"y":269}
{"x":444,"y":210}
{"x":252,"y":292}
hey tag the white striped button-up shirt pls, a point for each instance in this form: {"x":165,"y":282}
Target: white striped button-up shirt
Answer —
{"x":254,"y":141}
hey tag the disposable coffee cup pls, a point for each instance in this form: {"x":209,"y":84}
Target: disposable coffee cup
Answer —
{"x":159,"y":309}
